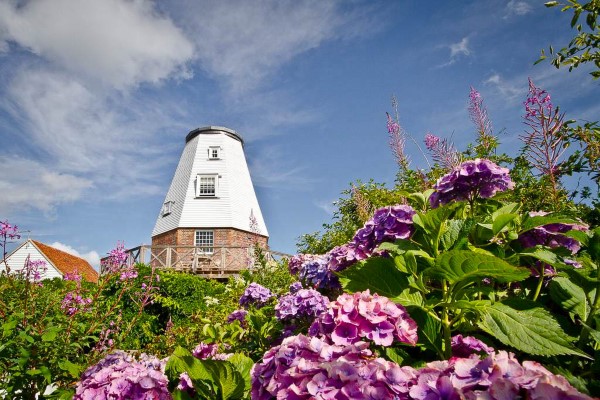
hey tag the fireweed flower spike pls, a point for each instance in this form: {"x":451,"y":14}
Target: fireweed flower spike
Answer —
{"x":470,"y":180}
{"x":442,"y":151}
{"x":479,"y":116}
{"x":397,"y":142}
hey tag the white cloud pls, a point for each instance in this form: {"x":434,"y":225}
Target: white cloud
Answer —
{"x":516,"y":7}
{"x":460,"y":48}
{"x":91,"y":256}
{"x":243,"y":41}
{"x":98,"y":137}
{"x":456,"y":50}
{"x":118,"y":42}
{"x":30,"y":184}
{"x":507,"y":88}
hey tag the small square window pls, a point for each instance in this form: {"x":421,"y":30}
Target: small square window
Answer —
{"x":214,"y":153}
{"x":205,"y":241}
{"x":167,"y":208}
{"x":206,"y":185}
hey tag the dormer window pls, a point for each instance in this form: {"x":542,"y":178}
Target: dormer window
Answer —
{"x":214,"y":153}
{"x":207,"y":185}
{"x":167,"y":208}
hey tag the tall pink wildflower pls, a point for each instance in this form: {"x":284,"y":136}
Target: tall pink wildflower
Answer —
{"x":397,"y":141}
{"x":442,"y":151}
{"x":479,"y":116}
{"x":545,"y":140}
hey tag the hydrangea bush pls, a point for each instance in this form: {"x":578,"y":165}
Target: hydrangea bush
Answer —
{"x":121,"y":376}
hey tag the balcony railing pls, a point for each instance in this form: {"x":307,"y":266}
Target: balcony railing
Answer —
{"x":215,"y":262}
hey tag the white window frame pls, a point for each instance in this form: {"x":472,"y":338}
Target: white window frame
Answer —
{"x":201,"y":187}
{"x":214,"y":153}
{"x":167,"y":208}
{"x":205,"y":239}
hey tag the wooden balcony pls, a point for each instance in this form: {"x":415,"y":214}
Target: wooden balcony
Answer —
{"x":215,"y":262}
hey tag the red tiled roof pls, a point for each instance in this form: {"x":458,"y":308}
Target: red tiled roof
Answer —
{"x":68,"y":263}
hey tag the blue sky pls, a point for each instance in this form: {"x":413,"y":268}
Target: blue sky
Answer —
{"x":96,"y":98}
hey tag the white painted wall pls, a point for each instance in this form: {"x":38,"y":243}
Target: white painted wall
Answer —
{"x":235,"y":198}
{"x":16,"y":261}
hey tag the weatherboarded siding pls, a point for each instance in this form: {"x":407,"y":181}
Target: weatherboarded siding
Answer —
{"x":235,"y":194}
{"x":16,"y":261}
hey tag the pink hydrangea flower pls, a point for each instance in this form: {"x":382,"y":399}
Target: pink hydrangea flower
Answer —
{"x":352,"y":318}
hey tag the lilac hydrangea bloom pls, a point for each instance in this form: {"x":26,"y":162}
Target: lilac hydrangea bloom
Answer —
{"x":315,"y":272}
{"x":352,"y":318}
{"x":256,"y":295}
{"x":304,"y":303}
{"x":295,"y":262}
{"x":465,"y":346}
{"x":120,"y":376}
{"x":205,"y":351}
{"x":239,"y":315}
{"x":294,"y":287}
{"x":341,"y":257}
{"x":303,"y":368}
{"x":387,"y":225}
{"x":469,"y":180}
{"x":498,"y":376}
{"x":551,"y":235}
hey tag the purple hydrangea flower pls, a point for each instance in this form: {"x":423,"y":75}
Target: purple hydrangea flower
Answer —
{"x":387,"y":225}
{"x":303,"y":367}
{"x":120,"y":376}
{"x":303,"y":304}
{"x":352,"y":318}
{"x":465,"y":346}
{"x":295,"y":262}
{"x":315,"y":272}
{"x":470,"y":180}
{"x":205,"y":351}
{"x":239,"y":315}
{"x":551,"y":235}
{"x":341,"y":257}
{"x":497,"y":376}
{"x":256,"y":295}
{"x":294,"y":287}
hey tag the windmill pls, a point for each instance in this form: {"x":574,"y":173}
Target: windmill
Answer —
{"x":210,"y":218}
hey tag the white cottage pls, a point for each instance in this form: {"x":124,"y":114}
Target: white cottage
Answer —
{"x":210,"y":217}
{"x":58,"y":262}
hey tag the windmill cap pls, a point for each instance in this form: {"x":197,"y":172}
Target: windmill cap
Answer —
{"x":212,"y":130}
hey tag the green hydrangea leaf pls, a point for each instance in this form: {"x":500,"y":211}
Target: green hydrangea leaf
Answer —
{"x":527,"y":327}
{"x":379,"y":275}
{"x":501,"y":222}
{"x":229,"y":382}
{"x":570,"y":297}
{"x":461,"y":265}
{"x":243,"y":365}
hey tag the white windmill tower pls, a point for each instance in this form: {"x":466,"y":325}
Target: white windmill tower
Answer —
{"x":210,"y":218}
